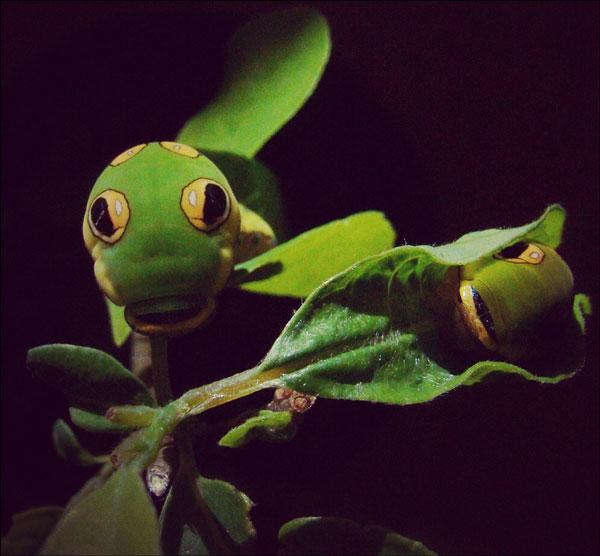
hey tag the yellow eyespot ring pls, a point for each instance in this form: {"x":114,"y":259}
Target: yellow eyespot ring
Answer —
{"x":128,"y":154}
{"x":108,"y":216}
{"x":206,"y":204}
{"x":180,"y":148}
{"x":530,"y":254}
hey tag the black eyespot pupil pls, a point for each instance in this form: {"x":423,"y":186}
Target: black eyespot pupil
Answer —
{"x":101,"y":217}
{"x":484,"y":314}
{"x":513,"y":251}
{"x":215,"y":204}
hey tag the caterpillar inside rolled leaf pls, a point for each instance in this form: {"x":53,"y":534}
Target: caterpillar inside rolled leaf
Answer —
{"x":514,"y":302}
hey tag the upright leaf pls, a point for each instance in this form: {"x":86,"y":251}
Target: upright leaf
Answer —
{"x":29,"y":530}
{"x":305,"y":262}
{"x":273,"y":65}
{"x":334,"y":535}
{"x":118,"y":518}
{"x":88,"y":376}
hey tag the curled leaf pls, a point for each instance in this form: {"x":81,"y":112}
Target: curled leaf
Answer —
{"x":376,"y":331}
{"x":270,"y":425}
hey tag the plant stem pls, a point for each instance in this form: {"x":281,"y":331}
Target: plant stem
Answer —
{"x":160,"y":369}
{"x":208,"y":528}
{"x":226,"y":390}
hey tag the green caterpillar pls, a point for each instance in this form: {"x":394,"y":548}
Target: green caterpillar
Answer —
{"x":164,"y":228}
{"x":511,"y":301}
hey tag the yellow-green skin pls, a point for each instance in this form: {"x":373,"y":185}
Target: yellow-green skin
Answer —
{"x":162,"y":262}
{"x":523,"y":300}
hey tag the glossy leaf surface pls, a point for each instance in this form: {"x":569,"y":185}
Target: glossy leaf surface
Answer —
{"x":88,"y":376}
{"x":117,"y":518}
{"x":297,"y":267}
{"x":266,"y":422}
{"x":29,"y":530}
{"x":334,"y":535}
{"x":273,"y":65}
{"x":374,"y":332}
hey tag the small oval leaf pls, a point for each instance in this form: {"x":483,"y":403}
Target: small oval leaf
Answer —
{"x":95,"y":422}
{"x":267,"y":424}
{"x":90,"y":377}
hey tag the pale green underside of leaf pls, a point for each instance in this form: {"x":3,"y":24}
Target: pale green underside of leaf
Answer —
{"x":88,"y":376}
{"x":118,"y":518}
{"x":394,"y":371}
{"x":29,"y":530}
{"x":306,"y":261}
{"x":273,"y":65}
{"x":372,"y":332}
{"x":334,"y":535}
{"x":267,"y":421}
{"x":119,"y":328}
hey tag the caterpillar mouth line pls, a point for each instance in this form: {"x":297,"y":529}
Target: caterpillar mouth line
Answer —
{"x":170,"y":323}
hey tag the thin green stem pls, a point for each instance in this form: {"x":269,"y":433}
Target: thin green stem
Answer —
{"x":205,"y":521}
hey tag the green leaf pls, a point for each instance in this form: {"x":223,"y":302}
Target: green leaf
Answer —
{"x":334,"y":535}
{"x":117,"y":518}
{"x":94,"y":422}
{"x":29,"y":530}
{"x":273,"y":65}
{"x":269,"y":423}
{"x":119,"y":327}
{"x":68,"y":447}
{"x":305,"y":262}
{"x":254,"y":185}
{"x":582,"y":308}
{"x":88,"y":376}
{"x":231,"y":507}
{"x":376,"y":331}
{"x":178,"y":519}
{"x":181,"y":521}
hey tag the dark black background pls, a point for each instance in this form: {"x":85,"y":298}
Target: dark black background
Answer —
{"x":448,"y":117}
